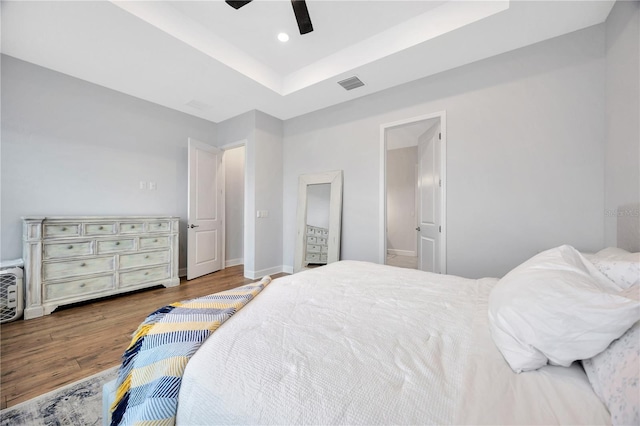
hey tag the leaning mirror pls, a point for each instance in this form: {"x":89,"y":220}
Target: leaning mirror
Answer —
{"x":318,"y":219}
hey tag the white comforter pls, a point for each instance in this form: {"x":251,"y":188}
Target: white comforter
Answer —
{"x":360,"y":343}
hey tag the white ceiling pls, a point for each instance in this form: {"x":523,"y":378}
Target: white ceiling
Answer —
{"x":212,"y":61}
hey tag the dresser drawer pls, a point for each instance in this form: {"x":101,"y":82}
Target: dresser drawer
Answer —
{"x":132,"y":278}
{"x":144,"y":259}
{"x":116,"y":246}
{"x":322,"y":241}
{"x":313,"y":257}
{"x":324,"y":249}
{"x":58,"y":251}
{"x":323,"y":258}
{"x":158,"y":226}
{"x":312,"y":240}
{"x":61,"y":230}
{"x":99,"y":228}
{"x":72,"y":288}
{"x":313,"y":248}
{"x":154,"y":242}
{"x":131,"y":228}
{"x":54,"y":270}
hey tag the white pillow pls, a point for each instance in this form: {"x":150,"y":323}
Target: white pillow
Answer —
{"x":620,"y":266}
{"x":615,"y":376}
{"x":557,"y":307}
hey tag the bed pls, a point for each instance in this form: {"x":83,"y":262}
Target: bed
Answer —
{"x":361,"y":343}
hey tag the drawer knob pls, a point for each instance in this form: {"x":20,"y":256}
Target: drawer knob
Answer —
{"x":70,"y":247}
{"x":83,"y":285}
{"x":64,"y":228}
{"x":101,"y":228}
{"x":146,"y":273}
{"x":146,"y":257}
{"x":117,"y":243}
{"x":83,"y":264}
{"x":155,"y":241}
{"x":133,"y":226}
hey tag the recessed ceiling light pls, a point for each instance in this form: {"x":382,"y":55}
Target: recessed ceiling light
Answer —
{"x":283,"y":37}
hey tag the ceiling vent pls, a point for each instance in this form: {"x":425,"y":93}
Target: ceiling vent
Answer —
{"x":199,"y":105}
{"x":351,"y":83}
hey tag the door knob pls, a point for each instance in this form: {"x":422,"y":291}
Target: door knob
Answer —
{"x":418,"y":229}
{"x":193,"y":226}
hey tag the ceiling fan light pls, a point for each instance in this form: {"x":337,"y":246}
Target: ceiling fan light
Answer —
{"x":283,"y":37}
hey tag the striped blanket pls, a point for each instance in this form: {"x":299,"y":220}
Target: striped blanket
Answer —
{"x":152,"y":366}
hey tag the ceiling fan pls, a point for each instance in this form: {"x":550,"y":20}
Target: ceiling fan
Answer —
{"x":299,"y":9}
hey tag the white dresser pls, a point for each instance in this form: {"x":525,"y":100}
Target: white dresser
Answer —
{"x":316,"y":251}
{"x":73,"y":259}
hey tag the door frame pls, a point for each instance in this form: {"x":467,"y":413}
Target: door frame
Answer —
{"x":382,"y":229}
{"x":248,"y":241}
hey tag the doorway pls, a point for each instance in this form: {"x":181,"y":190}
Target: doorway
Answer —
{"x":234,"y":170}
{"x":412,"y":228}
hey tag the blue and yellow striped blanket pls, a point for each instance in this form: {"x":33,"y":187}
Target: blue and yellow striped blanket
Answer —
{"x":152,"y":366}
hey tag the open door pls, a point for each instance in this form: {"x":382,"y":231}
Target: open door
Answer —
{"x":429,"y":133}
{"x":429,"y":199}
{"x":205,"y":237}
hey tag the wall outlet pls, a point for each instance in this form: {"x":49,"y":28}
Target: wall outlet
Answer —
{"x":153,"y":186}
{"x":143,"y":184}
{"x":262,"y":213}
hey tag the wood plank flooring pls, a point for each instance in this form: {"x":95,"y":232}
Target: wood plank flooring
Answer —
{"x":42,"y":354}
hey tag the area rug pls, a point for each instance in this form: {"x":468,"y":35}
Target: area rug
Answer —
{"x":78,"y":403}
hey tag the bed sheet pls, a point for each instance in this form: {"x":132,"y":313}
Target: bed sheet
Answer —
{"x":361,"y":343}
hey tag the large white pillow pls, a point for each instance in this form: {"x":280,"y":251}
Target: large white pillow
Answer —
{"x":620,"y":266}
{"x":614,"y":375}
{"x":557,"y":307}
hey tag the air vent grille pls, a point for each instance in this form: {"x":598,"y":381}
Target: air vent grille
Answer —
{"x":199,"y":105}
{"x":351,"y":83}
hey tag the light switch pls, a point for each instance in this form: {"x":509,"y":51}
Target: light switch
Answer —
{"x":262,"y":213}
{"x":153,"y":186}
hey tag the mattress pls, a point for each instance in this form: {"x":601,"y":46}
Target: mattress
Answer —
{"x":361,"y":343}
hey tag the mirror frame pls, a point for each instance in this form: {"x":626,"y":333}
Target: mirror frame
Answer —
{"x":335,"y":215}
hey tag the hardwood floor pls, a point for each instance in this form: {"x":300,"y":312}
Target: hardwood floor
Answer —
{"x":39,"y":355}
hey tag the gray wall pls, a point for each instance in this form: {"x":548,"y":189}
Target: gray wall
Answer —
{"x":70,"y":147}
{"x":525,"y":136}
{"x":262,"y":134}
{"x":622,"y":153}
{"x":268,"y":193}
{"x":243,"y":128}
{"x":401,"y":200}
{"x":234,"y":205}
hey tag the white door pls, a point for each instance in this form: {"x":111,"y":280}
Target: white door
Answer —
{"x":206,"y":210}
{"x":429,"y":198}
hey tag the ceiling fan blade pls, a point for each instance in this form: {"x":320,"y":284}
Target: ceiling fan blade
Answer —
{"x":302,"y":16}
{"x":237,"y":4}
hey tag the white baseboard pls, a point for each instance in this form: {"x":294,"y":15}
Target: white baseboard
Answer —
{"x":402,"y":252}
{"x":254,"y":275}
{"x":182,"y":272}
{"x":287,"y":269}
{"x":233,"y":262}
